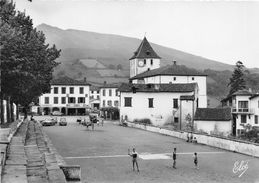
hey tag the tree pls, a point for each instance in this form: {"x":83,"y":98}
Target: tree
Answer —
{"x":119,"y":67}
{"x":27,"y":61}
{"x":237,"y":81}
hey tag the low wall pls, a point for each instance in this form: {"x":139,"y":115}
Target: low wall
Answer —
{"x":247,"y":148}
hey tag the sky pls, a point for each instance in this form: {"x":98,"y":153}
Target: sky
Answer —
{"x":225,"y":31}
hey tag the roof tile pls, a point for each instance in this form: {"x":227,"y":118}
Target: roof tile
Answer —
{"x":172,"y":70}
{"x":144,"y":51}
{"x":128,"y":87}
{"x":213,"y":114}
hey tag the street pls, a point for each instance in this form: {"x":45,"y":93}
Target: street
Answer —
{"x":102,"y":155}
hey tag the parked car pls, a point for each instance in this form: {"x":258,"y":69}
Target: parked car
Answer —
{"x":49,"y":122}
{"x":63,"y":122}
{"x":56,"y":113}
{"x":79,"y":120}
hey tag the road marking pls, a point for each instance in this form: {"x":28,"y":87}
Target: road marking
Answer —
{"x":144,"y":156}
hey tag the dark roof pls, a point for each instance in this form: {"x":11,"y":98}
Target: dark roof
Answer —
{"x":68,"y":81}
{"x":187,"y":97}
{"x":145,"y":51}
{"x":115,"y":85}
{"x":172,"y":70}
{"x":128,"y":87}
{"x":253,"y":96}
{"x":213,"y":114}
{"x":94,"y":88}
{"x":242,"y":92}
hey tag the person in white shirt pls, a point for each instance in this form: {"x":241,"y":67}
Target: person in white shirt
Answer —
{"x":134,"y":156}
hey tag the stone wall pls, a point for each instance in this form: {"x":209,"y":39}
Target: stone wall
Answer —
{"x":247,"y":148}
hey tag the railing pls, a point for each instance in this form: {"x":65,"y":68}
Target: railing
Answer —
{"x":243,"y":110}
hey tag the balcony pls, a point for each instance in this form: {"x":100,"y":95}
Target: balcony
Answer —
{"x":242,"y":110}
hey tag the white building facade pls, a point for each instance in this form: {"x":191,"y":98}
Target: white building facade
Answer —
{"x":95,"y":97}
{"x":245,"y":110}
{"x":109,"y":96}
{"x":68,"y":96}
{"x":166,"y":88}
{"x":160,"y":103}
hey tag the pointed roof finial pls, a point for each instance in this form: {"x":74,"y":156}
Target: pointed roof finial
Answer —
{"x":145,"y":34}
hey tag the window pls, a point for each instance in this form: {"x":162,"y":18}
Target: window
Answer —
{"x":176,"y":119}
{"x":127,"y":101}
{"x":98,"y":91}
{"x":55,"y":100}
{"x":71,"y":90}
{"x":92,"y":92}
{"x":144,"y":61}
{"x":63,"y":100}
{"x":151,"y":62}
{"x":46,"y":100}
{"x":63,"y":90}
{"x":117,"y":93}
{"x":258,"y":103}
{"x":55,"y":90}
{"x":71,"y":100}
{"x":243,"y":104}
{"x":109,"y":103}
{"x":98,"y":97}
{"x":81,"y":100}
{"x":103,"y":103}
{"x":103,"y":92}
{"x":256,"y":119}
{"x":110,"y":92}
{"x":243,"y":118}
{"x":192,"y":78}
{"x":174,"y":78}
{"x":81,"y":90}
{"x":116,"y":103}
{"x":175,"y":103}
{"x":150,"y":102}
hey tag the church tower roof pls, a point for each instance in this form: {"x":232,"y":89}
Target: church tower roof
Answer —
{"x":145,"y":51}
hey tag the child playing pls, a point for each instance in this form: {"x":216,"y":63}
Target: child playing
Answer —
{"x":174,"y":158}
{"x":134,"y":156}
{"x":195,"y":158}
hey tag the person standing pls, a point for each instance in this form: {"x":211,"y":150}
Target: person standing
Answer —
{"x":174,"y":158}
{"x":195,"y":159}
{"x":134,"y":156}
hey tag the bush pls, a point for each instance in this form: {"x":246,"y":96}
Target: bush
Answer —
{"x":144,"y":121}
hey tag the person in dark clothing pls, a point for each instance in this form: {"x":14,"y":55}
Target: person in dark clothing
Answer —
{"x":174,"y":158}
{"x":195,"y":159}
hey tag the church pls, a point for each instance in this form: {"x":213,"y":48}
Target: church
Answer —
{"x":164,"y":95}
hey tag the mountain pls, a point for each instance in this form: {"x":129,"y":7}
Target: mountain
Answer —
{"x":105,"y":57}
{"x":114,"y":49}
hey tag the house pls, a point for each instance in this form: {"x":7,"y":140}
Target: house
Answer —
{"x":95,"y":97}
{"x":214,"y":121}
{"x":109,"y":96}
{"x":161,"y":103}
{"x":244,"y":108}
{"x":69,"y":96}
{"x":145,"y":69}
{"x":162,"y":94}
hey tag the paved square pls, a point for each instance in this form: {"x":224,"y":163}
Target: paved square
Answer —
{"x":102,"y":155}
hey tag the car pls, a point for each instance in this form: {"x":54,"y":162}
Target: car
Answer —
{"x":48,"y":122}
{"x":79,"y":120}
{"x":62,"y":122}
{"x":56,"y":113}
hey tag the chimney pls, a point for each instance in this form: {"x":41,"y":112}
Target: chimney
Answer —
{"x":104,"y":82}
{"x":84,"y":79}
{"x":250,"y":90}
{"x":174,"y":62}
